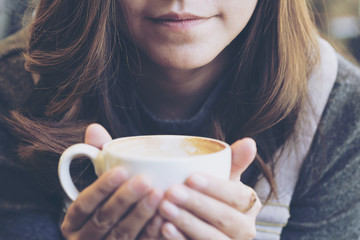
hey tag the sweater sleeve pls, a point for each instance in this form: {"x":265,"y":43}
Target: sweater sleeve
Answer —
{"x":25,"y":211}
{"x":326,"y":201}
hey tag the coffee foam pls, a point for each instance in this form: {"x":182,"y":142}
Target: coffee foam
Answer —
{"x":166,"y":147}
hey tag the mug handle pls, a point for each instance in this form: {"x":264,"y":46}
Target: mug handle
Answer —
{"x":75,"y":151}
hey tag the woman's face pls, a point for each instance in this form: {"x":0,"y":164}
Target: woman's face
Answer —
{"x":186,"y":34}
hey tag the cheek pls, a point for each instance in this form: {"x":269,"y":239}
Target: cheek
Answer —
{"x":236,"y":15}
{"x":132,"y":12}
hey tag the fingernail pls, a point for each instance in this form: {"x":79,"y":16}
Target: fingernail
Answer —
{"x":154,"y":199}
{"x":178,"y":193}
{"x":198,"y":181}
{"x":252,"y":201}
{"x":170,"y":210}
{"x":139,"y":184}
{"x":117,"y":176}
{"x":170,"y":231}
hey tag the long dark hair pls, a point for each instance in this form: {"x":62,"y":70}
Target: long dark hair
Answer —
{"x":84,"y":64}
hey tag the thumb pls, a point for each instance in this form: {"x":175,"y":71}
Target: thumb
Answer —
{"x":96,"y":135}
{"x":243,"y":154}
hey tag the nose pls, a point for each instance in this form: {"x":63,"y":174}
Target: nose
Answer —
{"x":177,"y":5}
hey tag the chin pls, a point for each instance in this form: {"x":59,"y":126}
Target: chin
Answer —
{"x":181,"y":65}
{"x":182,"y":61}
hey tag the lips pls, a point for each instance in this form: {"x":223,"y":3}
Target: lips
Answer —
{"x":179,"y":21}
{"x":178,"y":17}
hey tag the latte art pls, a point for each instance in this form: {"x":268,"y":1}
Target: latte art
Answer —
{"x":166,"y":146}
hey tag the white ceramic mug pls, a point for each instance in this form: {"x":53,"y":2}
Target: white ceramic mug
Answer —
{"x":166,"y":159}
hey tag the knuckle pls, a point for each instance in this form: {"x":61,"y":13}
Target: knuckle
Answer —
{"x":225,"y":221}
{"x":104,"y":189}
{"x":139,"y":214}
{"x":78,"y":209}
{"x":197,"y":201}
{"x":250,"y":229}
{"x":251,"y":233}
{"x":237,"y":203}
{"x":245,"y":199}
{"x":148,"y":238}
{"x":185,"y":223}
{"x":240,"y":195}
{"x":67,"y":233}
{"x":64,"y":228}
{"x":100,"y":222}
{"x":247,"y":232}
{"x":122,"y":234}
{"x":220,"y":223}
{"x":120,"y":200}
{"x":212,"y":237}
{"x":153,"y":228}
{"x":152,"y":231}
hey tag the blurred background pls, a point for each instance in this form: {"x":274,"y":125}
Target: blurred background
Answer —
{"x":338,"y":20}
{"x":11,"y":14}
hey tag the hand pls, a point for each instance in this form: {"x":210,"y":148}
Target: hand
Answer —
{"x":114,"y":206}
{"x":209,"y":208}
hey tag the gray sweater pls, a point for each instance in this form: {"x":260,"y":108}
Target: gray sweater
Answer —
{"x":326,"y":201}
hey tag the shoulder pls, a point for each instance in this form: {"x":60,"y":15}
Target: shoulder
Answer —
{"x":15,"y":82}
{"x":341,"y":117}
{"x":337,"y":139}
{"x":348,"y":78}
{"x":326,"y":200}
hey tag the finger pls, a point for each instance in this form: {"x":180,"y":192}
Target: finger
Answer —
{"x":222,"y":216}
{"x":153,"y":228}
{"x":115,"y":208}
{"x":96,"y":135}
{"x":134,"y":222}
{"x":170,"y":232}
{"x":255,"y":208}
{"x":235,"y":194}
{"x":243,"y":154}
{"x":187,"y":223}
{"x":91,"y":197}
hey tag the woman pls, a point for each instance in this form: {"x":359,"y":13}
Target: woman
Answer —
{"x":221,"y":69}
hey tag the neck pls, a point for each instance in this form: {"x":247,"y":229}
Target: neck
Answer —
{"x":174,"y":94}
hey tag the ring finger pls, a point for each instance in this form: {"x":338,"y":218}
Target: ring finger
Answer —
{"x":221,"y":216}
{"x":235,"y":194}
{"x":186,"y":222}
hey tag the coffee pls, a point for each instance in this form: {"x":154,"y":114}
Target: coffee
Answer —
{"x":165,"y":146}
